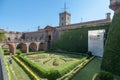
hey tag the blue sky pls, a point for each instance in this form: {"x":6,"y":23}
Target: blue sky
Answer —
{"x":27,"y":15}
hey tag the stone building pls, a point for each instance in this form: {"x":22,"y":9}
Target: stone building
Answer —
{"x":43,"y":39}
{"x":13,"y":36}
{"x":50,"y":33}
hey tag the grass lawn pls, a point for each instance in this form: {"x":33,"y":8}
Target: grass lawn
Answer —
{"x":17,"y":73}
{"x":62,"y":61}
{"x":89,"y":70}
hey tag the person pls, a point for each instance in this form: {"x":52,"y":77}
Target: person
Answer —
{"x":9,"y":60}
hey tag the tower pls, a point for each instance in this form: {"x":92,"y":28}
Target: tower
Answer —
{"x":64,"y":17}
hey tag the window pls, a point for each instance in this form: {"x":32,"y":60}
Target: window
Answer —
{"x":8,"y":39}
{"x":62,"y":24}
{"x":68,"y":18}
{"x":62,"y":18}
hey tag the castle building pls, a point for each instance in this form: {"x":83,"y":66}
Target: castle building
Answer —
{"x":64,"y":18}
{"x":49,"y":34}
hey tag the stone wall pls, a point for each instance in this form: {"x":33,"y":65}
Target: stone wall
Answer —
{"x":13,"y":36}
{"x":36,"y":36}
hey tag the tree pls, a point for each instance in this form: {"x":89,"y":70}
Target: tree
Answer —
{"x":2,"y":36}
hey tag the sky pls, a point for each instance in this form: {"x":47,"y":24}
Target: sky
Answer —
{"x":27,"y":15}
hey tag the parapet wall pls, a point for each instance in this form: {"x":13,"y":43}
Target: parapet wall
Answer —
{"x":85,"y":24}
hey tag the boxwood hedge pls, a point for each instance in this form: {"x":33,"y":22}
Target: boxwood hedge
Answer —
{"x":111,"y":57}
{"x":47,"y":73}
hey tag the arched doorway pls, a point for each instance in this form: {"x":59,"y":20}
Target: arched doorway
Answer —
{"x":8,"y":49}
{"x":22,"y":47}
{"x":33,"y":47}
{"x":19,"y":47}
{"x":49,"y":42}
{"x":41,"y":46}
{"x":49,"y":37}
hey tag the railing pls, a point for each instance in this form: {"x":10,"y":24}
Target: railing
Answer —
{"x":3,"y":72}
{"x":19,"y":41}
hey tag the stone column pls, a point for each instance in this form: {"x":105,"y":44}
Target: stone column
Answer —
{"x":115,"y":5}
{"x":27,"y":45}
{"x":37,"y":45}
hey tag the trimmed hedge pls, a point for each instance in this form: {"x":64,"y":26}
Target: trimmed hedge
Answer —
{"x":18,"y":52}
{"x":53,"y":75}
{"x":40,"y":71}
{"x":111,"y":57}
{"x":6,"y":51}
{"x":6,"y":65}
{"x":69,"y":68}
{"x":103,"y":76}
{"x":46,"y":74}
{"x":26,"y":68}
{"x":76,"y":40}
{"x":70,"y":75}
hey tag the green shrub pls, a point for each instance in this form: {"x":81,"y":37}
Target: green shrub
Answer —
{"x":30,"y":53}
{"x":27,"y":70}
{"x":55,"y":62}
{"x":6,"y":50}
{"x":2,"y":36}
{"x":76,"y":40}
{"x":111,"y":56}
{"x":89,"y":54}
{"x":53,"y":75}
{"x":103,"y":76}
{"x":18,"y":52}
{"x":44,"y":62}
{"x":44,"y":73}
{"x":70,"y":67}
{"x":40,"y":71}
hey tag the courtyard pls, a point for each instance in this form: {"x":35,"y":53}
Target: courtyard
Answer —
{"x":46,"y":62}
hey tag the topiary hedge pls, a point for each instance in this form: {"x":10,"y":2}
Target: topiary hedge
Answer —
{"x":40,"y":71}
{"x":111,"y":57}
{"x":18,"y":52}
{"x":47,"y":73}
{"x":76,"y":40}
{"x":32,"y":75}
{"x":53,"y":75}
{"x":103,"y":76}
{"x":67,"y":69}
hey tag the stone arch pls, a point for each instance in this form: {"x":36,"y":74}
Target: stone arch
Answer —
{"x":23,"y":47}
{"x":33,"y":47}
{"x":10,"y":47}
{"x":19,"y":46}
{"x":42,"y":46}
